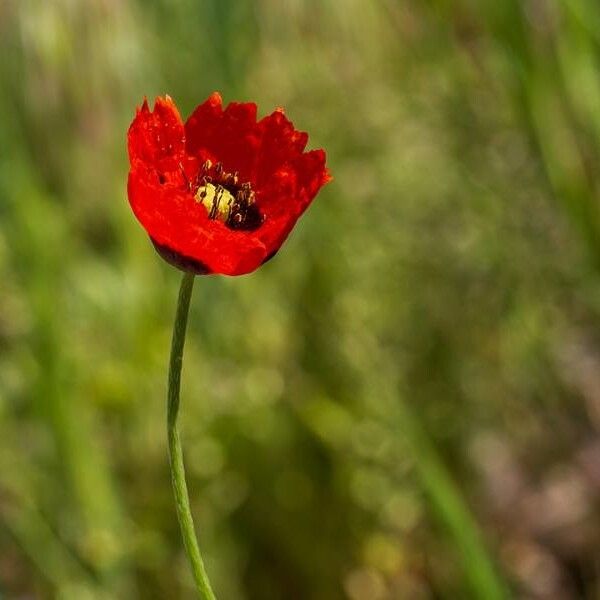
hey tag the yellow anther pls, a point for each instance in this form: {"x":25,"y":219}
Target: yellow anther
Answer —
{"x":216,"y":199}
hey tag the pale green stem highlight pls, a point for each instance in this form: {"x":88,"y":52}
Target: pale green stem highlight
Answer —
{"x":182,"y":501}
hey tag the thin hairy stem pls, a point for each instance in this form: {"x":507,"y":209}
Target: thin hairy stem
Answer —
{"x":182,"y":501}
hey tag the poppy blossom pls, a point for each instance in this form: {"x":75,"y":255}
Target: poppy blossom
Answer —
{"x":220,"y":193}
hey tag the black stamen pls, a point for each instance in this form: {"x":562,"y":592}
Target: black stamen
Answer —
{"x":242,"y":212}
{"x":187,"y":181}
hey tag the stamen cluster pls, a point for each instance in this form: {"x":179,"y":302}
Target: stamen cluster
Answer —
{"x":225,"y":199}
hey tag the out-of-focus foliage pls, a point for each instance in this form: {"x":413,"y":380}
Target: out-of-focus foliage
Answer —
{"x":405,"y":403}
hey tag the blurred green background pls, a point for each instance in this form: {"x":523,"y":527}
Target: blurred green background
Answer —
{"x":404,"y":403}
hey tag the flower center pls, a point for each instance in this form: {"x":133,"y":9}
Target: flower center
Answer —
{"x":217,"y":200}
{"x":225,"y":199}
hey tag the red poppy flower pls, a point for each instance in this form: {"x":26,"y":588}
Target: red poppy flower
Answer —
{"x":220,"y":193}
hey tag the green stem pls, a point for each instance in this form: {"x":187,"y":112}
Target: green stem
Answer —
{"x":182,"y":501}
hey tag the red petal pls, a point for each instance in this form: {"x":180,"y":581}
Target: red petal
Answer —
{"x":280,"y":144}
{"x":228,"y":136}
{"x":156,"y":138}
{"x":174,"y":219}
{"x":288,"y":194}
